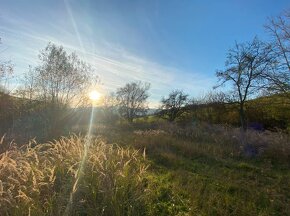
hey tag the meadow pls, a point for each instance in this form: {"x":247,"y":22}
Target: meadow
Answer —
{"x":149,"y":168}
{"x":97,"y":129}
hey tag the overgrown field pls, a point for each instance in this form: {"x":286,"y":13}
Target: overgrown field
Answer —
{"x":149,"y":170}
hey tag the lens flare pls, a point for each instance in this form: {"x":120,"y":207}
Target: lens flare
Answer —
{"x":94,"y":95}
{"x":80,"y":171}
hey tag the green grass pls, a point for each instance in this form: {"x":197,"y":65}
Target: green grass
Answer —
{"x":208,"y":178}
{"x":168,"y":170}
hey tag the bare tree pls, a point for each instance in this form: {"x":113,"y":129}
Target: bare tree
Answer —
{"x":7,"y":105}
{"x":214,"y":107}
{"x":109,"y":108}
{"x":6,"y":70}
{"x":28,"y":89}
{"x":246,"y":65}
{"x":216,"y":98}
{"x":174,"y":105}
{"x":132,"y":100}
{"x":279,"y":29}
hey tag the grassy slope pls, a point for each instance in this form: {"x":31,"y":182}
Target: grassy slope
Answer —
{"x":207,"y":178}
{"x":272,"y":111}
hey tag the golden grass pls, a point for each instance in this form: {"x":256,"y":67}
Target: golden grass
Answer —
{"x":54,"y":178}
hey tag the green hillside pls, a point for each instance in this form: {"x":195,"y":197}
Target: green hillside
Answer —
{"x":271,"y":111}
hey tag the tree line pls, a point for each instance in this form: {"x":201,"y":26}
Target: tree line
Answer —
{"x":61,"y":80}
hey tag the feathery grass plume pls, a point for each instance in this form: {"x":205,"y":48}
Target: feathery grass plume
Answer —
{"x":37,"y":179}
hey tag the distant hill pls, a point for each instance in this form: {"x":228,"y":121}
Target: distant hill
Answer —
{"x":272,"y":111}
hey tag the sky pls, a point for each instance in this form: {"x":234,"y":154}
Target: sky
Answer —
{"x":172,"y":44}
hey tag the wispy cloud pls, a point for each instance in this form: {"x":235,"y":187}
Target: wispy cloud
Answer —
{"x":113,"y":63}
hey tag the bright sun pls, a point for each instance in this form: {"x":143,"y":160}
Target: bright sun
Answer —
{"x":94,"y":95}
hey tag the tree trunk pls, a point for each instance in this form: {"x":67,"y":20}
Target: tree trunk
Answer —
{"x":243,"y":117}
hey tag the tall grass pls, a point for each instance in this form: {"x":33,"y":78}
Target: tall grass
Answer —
{"x":194,"y":170}
{"x":46,"y":179}
{"x":232,"y":141}
{"x":215,"y":170}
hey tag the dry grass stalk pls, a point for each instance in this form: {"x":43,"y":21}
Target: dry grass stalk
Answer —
{"x":38,"y":178}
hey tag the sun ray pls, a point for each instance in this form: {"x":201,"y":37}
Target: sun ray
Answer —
{"x":82,"y":163}
{"x":94,"y":95}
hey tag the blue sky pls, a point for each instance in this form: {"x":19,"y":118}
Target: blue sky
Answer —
{"x":171,"y":44}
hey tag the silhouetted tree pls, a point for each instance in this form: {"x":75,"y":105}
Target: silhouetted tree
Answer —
{"x":62,"y":78}
{"x":279,"y":29}
{"x":132,"y":100}
{"x":172,"y":106}
{"x":59,"y":81}
{"x":246,"y":66}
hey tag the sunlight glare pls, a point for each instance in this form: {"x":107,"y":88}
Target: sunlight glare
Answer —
{"x":94,"y":95}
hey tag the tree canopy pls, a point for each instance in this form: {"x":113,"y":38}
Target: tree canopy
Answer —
{"x":246,"y":67}
{"x":132,"y":100}
{"x":172,"y":106}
